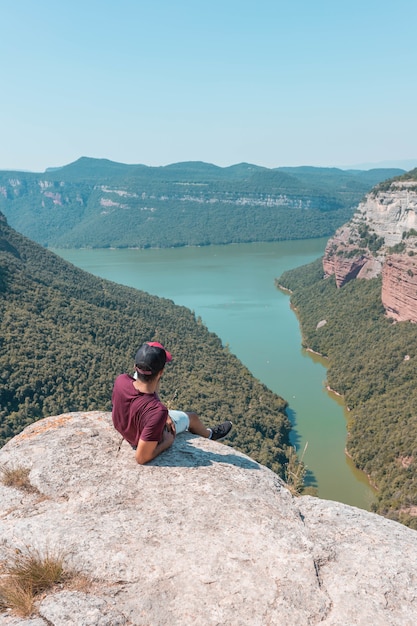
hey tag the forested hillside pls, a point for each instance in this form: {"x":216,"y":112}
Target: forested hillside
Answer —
{"x":373,"y":364}
{"x":65,"y":335}
{"x":99,"y":203}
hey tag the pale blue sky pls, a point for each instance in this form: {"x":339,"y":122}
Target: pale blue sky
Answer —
{"x":300,"y":82}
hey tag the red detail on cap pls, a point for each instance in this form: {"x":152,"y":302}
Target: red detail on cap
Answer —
{"x":156,"y":344}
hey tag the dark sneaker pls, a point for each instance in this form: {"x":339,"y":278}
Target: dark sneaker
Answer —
{"x":220,"y":431}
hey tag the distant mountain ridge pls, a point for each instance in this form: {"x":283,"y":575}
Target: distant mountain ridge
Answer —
{"x":404,"y":164}
{"x":101,"y":203}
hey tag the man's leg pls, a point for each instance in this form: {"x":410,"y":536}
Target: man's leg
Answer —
{"x":197,"y":427}
{"x":191,"y":422}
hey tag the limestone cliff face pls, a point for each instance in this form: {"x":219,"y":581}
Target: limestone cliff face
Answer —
{"x":381,"y":238}
{"x":203,"y":535}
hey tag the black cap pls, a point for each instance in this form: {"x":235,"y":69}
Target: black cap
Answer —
{"x":151,"y":358}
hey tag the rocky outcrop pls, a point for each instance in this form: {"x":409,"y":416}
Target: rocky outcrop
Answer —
{"x":346,"y":259}
{"x":343,"y":267}
{"x":399,"y":287}
{"x":385,"y":222}
{"x":202,"y":535}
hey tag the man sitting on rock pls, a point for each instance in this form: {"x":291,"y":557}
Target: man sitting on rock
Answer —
{"x":139,"y":415}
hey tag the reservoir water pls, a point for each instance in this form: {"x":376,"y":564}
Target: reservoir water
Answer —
{"x":232,"y":289}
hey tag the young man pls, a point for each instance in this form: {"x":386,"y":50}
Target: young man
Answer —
{"x":139,"y":415}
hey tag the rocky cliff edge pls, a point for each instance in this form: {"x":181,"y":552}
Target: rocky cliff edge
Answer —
{"x":202,"y":535}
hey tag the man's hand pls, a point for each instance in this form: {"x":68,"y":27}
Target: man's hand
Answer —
{"x":170,"y":426}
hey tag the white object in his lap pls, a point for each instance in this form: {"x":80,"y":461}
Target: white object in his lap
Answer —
{"x":180,"y":419}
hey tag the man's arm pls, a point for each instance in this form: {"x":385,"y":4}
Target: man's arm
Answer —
{"x":148,"y":450}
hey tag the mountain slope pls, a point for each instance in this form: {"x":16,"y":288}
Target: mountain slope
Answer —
{"x":99,"y":203}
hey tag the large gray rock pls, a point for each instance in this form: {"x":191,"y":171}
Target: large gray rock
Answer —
{"x":201,"y":536}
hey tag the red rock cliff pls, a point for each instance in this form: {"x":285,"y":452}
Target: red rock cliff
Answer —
{"x":399,"y":287}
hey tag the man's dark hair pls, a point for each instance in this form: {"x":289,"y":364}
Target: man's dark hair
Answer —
{"x":145,"y":378}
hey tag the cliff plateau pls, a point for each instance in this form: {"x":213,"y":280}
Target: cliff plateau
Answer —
{"x":202,"y":535}
{"x":381,"y":238}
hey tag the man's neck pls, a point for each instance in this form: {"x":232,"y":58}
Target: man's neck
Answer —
{"x":149,"y":387}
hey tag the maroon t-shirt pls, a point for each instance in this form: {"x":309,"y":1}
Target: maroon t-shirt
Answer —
{"x":137,"y":415}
